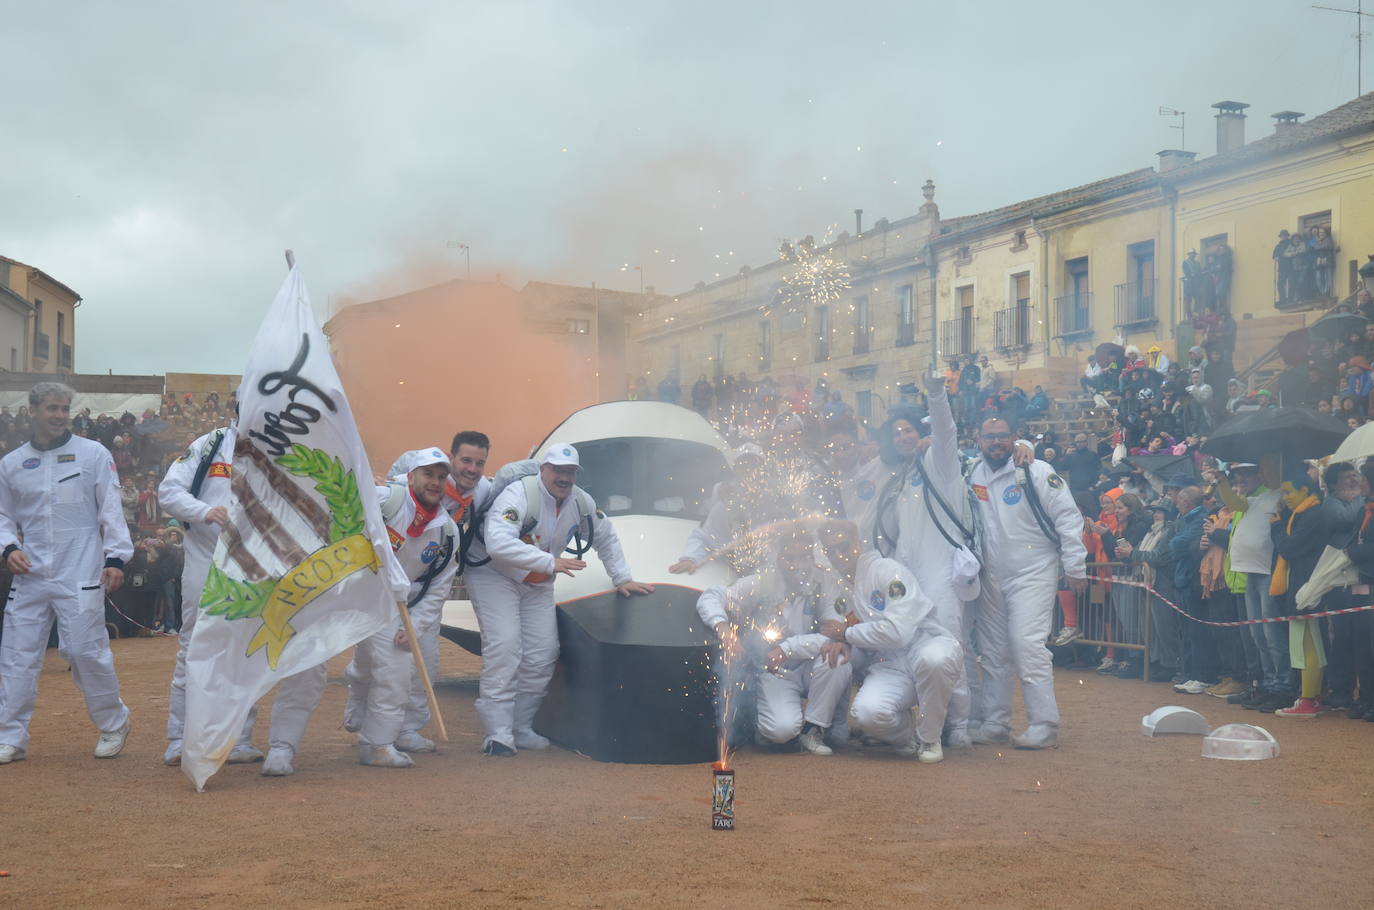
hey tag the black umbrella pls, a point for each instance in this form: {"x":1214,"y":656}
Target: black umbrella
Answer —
{"x":1166,"y":465}
{"x":1108,"y":353}
{"x":1337,"y":326}
{"x":1292,"y":432}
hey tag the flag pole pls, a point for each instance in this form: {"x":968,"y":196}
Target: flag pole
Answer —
{"x":423,"y":672}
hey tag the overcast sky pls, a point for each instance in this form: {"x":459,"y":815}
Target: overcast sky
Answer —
{"x":158,"y":156}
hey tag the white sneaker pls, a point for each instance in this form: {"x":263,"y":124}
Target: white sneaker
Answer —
{"x":1030,"y":740}
{"x":528,"y":739}
{"x":172,"y":757}
{"x":909,"y":747}
{"x":383,"y":757}
{"x":1191,"y":687}
{"x":990,"y":737}
{"x":111,"y":744}
{"x":11,"y":753}
{"x":930,"y":753}
{"x":244,"y":754}
{"x":1108,"y":663}
{"x":1067,"y":636}
{"x":958,"y":739}
{"x":813,"y":741}
{"x":355,"y":709}
{"x":278,"y":762}
{"x":414,"y":742}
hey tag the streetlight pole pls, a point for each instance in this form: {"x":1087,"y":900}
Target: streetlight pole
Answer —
{"x":467,"y":257}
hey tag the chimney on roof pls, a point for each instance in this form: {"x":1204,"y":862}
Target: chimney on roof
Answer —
{"x":1230,"y":125}
{"x":1285,"y":121}
{"x":858,"y":222}
{"x":1173,"y":159}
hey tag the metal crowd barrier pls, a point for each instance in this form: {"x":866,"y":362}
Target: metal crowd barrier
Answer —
{"x":1111,"y":615}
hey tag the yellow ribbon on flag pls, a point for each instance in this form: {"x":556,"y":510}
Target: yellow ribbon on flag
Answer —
{"x":319,"y":572}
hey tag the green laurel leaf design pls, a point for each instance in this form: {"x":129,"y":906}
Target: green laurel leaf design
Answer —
{"x":334,"y":483}
{"x":234,"y":599}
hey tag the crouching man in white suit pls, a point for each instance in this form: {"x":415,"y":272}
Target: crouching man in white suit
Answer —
{"x":891,"y":631}
{"x":778,"y":612}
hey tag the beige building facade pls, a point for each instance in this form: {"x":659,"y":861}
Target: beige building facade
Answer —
{"x":1036,"y":285}
{"x":37,"y":320}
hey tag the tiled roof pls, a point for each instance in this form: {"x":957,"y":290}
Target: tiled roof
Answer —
{"x":1048,"y":204}
{"x":1352,"y":117}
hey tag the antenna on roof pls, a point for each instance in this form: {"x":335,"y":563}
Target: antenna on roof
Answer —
{"x":1181,"y":126}
{"x":1359,"y":36}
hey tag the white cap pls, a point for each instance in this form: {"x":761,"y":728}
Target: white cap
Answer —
{"x":967,"y":585}
{"x":560,"y":453}
{"x":419,"y":458}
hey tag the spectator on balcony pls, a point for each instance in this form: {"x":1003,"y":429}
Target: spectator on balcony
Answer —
{"x":1038,"y":405}
{"x":1192,"y":281}
{"x":1235,"y":394}
{"x":1205,"y":326}
{"x":1283,"y":269}
{"x":988,"y":384}
{"x":1219,"y":265}
{"x":1364,"y":303}
{"x":1323,"y":251}
{"x":1226,"y":336}
{"x":1300,"y":268}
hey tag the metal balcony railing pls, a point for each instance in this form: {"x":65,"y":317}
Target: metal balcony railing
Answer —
{"x":64,"y":356}
{"x":1012,"y":327}
{"x":956,"y":336}
{"x":862,"y":340}
{"x":1135,"y":302}
{"x":906,"y":334}
{"x":1073,"y":314}
{"x":40,"y":346}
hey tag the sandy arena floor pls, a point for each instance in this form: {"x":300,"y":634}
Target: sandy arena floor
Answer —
{"x":1108,"y":820}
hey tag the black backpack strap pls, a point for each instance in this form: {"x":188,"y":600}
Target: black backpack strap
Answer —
{"x":885,"y":539}
{"x":440,"y":562}
{"x":1037,"y":508}
{"x":933,"y":494}
{"x":203,"y":469}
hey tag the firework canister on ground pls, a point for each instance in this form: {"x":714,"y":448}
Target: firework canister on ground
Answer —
{"x":723,"y":800}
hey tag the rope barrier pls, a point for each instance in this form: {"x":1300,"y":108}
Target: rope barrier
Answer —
{"x":115,"y":607}
{"x":1243,"y":622}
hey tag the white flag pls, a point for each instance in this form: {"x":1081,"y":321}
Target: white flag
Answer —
{"x":303,"y":570}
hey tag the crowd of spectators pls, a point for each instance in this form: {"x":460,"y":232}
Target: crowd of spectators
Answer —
{"x":142,"y":448}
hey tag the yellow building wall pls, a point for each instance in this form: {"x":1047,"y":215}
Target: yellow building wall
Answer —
{"x":33,"y":287}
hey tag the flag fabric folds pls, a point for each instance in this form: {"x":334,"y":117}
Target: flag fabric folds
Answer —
{"x":303,"y":569}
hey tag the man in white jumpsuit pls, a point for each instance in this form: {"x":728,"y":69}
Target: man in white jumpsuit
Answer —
{"x":64,"y":538}
{"x":429,"y":557}
{"x":512,"y":594}
{"x":889,"y":629}
{"x":782,"y":607}
{"x":379,"y":675}
{"x":728,"y":517}
{"x":910,"y":508}
{"x":466,"y":494}
{"x":209,"y":463}
{"x":1024,"y":554}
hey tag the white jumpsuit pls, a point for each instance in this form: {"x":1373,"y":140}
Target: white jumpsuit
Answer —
{"x":1021,"y":569}
{"x":513,"y":598}
{"x":380,"y":670}
{"x":374,"y":657}
{"x":763,"y":602}
{"x":174,"y":495}
{"x":924,"y":550}
{"x":64,"y":500}
{"x":901,"y":651}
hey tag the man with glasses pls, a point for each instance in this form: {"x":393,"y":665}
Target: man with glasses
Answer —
{"x":1032,"y":531}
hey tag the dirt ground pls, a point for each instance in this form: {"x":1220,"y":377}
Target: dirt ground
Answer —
{"x":1110,"y":819}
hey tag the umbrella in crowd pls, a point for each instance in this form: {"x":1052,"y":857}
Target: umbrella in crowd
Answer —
{"x":1359,"y":444}
{"x":1291,"y":432}
{"x":1108,"y":353}
{"x":1337,"y":326}
{"x":1181,"y":466}
{"x":1295,"y":346}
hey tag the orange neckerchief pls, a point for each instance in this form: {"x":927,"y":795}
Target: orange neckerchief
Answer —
{"x":452,"y":492}
{"x":423,"y":516}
